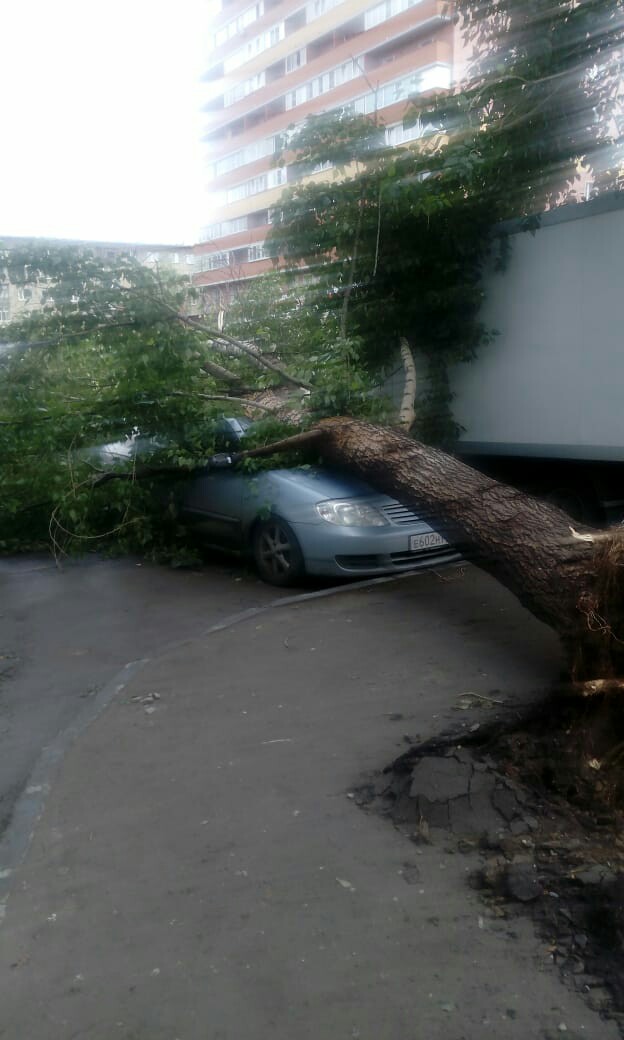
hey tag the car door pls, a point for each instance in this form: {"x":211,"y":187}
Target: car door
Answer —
{"x":211,"y":503}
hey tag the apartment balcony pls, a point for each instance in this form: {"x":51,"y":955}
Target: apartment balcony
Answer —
{"x":383,"y":65}
{"x":235,"y":272}
{"x":408,"y":31}
{"x":276,"y":13}
{"x":261,"y":201}
{"x":246,"y":172}
{"x":279,"y":85}
{"x":331,"y":52}
{"x":294,"y":38}
{"x":231,"y":243}
{"x":232,"y":13}
{"x":409,"y":61}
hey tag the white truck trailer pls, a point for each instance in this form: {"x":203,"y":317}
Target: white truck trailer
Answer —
{"x":543,"y":404}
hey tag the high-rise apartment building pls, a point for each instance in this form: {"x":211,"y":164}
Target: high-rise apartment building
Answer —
{"x":273,"y":63}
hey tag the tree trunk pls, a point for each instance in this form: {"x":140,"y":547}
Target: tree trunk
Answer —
{"x":572,"y":581}
{"x":407,"y":411}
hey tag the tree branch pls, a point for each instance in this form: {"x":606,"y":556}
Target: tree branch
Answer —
{"x":55,"y":341}
{"x":144,"y":471}
{"x":248,"y":402}
{"x":253,"y":355}
{"x":309,"y":437}
{"x":140,"y":472}
{"x":211,"y":368}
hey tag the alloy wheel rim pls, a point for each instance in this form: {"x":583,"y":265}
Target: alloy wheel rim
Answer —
{"x":276,"y":550}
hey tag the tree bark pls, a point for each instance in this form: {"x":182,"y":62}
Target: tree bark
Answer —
{"x":224,"y":375}
{"x":572,"y":580}
{"x":407,"y":411}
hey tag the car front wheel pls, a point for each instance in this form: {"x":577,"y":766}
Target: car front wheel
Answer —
{"x":276,"y":552}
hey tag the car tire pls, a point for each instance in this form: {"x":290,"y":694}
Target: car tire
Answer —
{"x":276,"y":552}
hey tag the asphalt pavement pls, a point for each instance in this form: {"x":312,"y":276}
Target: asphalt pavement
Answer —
{"x":64,"y":631}
{"x":187,"y":862}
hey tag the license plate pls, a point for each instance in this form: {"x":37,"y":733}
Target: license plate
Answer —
{"x":431,"y":540}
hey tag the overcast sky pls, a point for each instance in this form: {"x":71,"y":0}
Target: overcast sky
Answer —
{"x":100,"y":119}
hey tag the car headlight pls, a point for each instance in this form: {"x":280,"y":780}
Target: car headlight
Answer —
{"x":350,"y":513}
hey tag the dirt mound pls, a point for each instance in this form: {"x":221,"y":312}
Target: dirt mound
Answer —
{"x":540,"y":801}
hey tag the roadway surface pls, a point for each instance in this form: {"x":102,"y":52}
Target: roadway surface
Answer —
{"x":65,"y":632}
{"x":184,"y":860}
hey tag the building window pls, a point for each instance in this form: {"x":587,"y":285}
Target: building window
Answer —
{"x":436,"y":76}
{"x":327,"y":164}
{"x":388,"y":9}
{"x":256,"y":252}
{"x":322,"y":84}
{"x":249,"y":154}
{"x":296,"y":97}
{"x":256,"y":46}
{"x":243,"y":89}
{"x":4,"y":302}
{"x":238,"y":24}
{"x":319,"y":7}
{"x":296,"y":60}
{"x":214,"y":261}
{"x":398,"y":135}
{"x":377,"y":15}
{"x":263,"y":182}
{"x":225,"y":227}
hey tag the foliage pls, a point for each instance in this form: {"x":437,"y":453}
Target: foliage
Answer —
{"x":118,"y":350}
{"x":399,"y":253}
{"x":543,"y":99}
{"x":281,"y":316}
{"x":286,"y":315}
{"x":104,"y":358}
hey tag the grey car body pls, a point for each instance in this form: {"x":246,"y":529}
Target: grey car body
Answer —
{"x":277,"y":514}
{"x":280,"y":516}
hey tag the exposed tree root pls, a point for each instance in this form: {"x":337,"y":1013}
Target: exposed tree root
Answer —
{"x":537,"y":802}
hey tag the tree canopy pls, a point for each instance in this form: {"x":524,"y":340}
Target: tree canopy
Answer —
{"x":119,"y":349}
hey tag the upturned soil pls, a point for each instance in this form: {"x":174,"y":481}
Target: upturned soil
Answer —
{"x":538,"y":802}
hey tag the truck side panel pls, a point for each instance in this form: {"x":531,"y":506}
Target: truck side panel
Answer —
{"x":551,"y":384}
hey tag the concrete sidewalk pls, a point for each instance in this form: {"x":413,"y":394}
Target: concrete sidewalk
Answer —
{"x":201,"y":873}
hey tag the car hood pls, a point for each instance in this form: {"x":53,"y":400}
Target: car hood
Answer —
{"x":318,"y":484}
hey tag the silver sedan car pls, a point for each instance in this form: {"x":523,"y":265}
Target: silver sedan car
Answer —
{"x":310,"y":521}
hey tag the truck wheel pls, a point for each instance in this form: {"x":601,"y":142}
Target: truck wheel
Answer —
{"x":276,"y":552}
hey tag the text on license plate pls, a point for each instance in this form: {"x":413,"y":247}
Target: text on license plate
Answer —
{"x":418,"y":542}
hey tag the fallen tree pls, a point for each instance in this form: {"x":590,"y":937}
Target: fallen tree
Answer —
{"x":569,"y":579}
{"x":104,"y":385}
